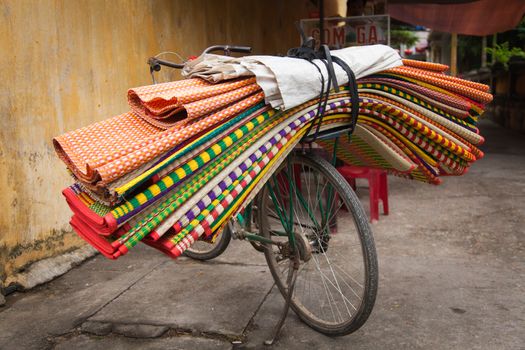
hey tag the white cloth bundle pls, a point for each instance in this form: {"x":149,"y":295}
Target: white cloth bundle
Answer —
{"x":287,"y":82}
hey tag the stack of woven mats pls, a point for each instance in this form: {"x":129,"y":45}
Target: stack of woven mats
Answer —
{"x":190,"y":154}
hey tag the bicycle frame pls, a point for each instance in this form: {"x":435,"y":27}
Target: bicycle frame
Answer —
{"x":280,"y":186}
{"x":245,"y":219}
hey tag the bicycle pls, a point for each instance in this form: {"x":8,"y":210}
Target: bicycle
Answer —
{"x":314,"y":234}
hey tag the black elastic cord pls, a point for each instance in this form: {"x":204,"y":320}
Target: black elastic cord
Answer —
{"x":352,"y":87}
{"x":322,"y":110}
{"x":307,"y":53}
{"x":325,"y":52}
{"x":320,"y":104}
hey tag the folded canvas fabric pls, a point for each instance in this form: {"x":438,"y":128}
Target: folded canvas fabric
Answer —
{"x":191,"y":153}
{"x":287,"y":82}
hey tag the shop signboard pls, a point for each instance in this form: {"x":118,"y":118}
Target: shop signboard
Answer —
{"x":342,"y":32}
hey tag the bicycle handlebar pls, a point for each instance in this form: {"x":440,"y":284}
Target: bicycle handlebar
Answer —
{"x":156,"y":63}
{"x":227,"y":49}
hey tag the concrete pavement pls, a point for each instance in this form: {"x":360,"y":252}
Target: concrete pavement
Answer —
{"x":451,"y":264}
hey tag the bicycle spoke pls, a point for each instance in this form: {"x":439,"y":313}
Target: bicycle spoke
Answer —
{"x":336,"y":286}
{"x":327,"y":292}
{"x":348,"y":284}
{"x":330,"y":286}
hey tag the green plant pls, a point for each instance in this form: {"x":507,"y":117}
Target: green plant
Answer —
{"x":502,"y":53}
{"x":402,"y":36}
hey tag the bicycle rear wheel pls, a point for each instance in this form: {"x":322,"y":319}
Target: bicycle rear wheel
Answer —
{"x":202,"y":250}
{"x":336,"y":283}
{"x":205,"y":250}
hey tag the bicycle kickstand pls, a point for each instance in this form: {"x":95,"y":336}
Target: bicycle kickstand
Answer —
{"x":292,"y":276}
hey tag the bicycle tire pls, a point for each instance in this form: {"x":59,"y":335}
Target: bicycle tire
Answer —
{"x":312,"y":167}
{"x":216,"y":248}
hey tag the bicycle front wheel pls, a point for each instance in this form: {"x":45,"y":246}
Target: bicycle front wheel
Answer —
{"x":336,"y":284}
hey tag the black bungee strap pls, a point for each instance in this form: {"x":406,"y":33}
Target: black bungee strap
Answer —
{"x":352,"y":88}
{"x":307,"y":53}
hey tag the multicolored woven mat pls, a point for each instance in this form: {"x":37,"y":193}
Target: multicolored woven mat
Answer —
{"x":190,"y":154}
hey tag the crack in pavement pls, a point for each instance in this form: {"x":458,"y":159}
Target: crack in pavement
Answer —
{"x":246,"y":329}
{"x":171,"y":332}
{"x":171,"y":329}
{"x":123,"y":291}
{"x":54,"y":340}
{"x":231,"y":263}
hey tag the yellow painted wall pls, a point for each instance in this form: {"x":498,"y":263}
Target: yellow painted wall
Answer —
{"x":68,"y":63}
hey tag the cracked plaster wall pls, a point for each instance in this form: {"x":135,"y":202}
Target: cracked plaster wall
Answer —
{"x":66,"y":64}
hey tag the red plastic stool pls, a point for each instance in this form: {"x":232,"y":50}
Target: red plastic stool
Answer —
{"x":377,"y":182}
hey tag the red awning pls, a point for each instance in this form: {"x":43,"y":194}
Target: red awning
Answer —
{"x":483,"y":17}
